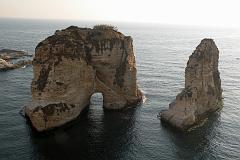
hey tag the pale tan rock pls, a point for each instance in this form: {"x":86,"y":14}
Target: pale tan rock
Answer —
{"x":202,"y":93}
{"x":75,"y":63}
{"x":5,"y":65}
{"x":6,"y":55}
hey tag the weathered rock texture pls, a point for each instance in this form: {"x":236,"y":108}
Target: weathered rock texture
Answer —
{"x":202,"y":93}
{"x":75,"y":63}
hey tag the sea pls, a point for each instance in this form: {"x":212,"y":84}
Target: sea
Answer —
{"x":135,"y":133}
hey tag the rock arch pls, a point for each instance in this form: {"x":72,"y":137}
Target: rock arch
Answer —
{"x":73,"y":64}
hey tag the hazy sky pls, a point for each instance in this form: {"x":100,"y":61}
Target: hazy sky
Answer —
{"x":194,"y":12}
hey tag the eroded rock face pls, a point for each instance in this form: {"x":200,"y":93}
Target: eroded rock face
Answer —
{"x":202,"y":93}
{"x":75,"y":63}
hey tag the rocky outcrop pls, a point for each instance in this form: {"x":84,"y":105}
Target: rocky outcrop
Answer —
{"x":5,"y":65}
{"x":8,"y":54}
{"x":75,"y":63}
{"x":202,"y":93}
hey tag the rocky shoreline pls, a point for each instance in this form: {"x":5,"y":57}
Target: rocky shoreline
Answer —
{"x":7,"y":55}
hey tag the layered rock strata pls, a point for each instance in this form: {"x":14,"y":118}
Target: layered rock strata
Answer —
{"x":202,"y":93}
{"x":75,"y":63}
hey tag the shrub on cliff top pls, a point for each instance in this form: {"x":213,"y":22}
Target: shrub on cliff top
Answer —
{"x":105,"y":27}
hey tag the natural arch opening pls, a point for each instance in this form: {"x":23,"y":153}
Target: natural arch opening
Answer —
{"x":95,"y":110}
{"x":96,"y":100}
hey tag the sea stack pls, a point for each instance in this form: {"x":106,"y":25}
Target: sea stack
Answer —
{"x":72,"y":65}
{"x":202,"y":93}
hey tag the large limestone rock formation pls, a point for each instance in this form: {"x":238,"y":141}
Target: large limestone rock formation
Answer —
{"x":202,"y":93}
{"x":75,"y":63}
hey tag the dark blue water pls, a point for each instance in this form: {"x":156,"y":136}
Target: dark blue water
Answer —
{"x":161,"y":52}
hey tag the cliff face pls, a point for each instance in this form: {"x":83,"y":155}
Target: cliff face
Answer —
{"x":202,"y":93}
{"x":75,"y":63}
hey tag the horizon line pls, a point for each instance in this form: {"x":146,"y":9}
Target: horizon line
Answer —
{"x":128,"y":22}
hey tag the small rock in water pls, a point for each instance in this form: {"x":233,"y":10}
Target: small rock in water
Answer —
{"x":6,"y":55}
{"x":5,"y":65}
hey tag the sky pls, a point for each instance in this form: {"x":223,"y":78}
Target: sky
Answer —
{"x":183,"y":12}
